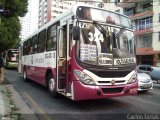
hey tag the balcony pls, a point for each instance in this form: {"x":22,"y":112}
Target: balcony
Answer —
{"x":143,"y":29}
{"x":144,"y":51}
{"x":128,"y":3}
{"x":144,"y":45}
{"x":140,"y":13}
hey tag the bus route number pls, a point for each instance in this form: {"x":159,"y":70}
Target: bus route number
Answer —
{"x":49,"y":55}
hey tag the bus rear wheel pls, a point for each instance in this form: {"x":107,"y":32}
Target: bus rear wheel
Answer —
{"x":52,"y":85}
{"x":25,"y":76}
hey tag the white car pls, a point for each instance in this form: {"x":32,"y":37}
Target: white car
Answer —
{"x":145,"y":82}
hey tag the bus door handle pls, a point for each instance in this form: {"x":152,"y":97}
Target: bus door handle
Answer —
{"x":61,"y":61}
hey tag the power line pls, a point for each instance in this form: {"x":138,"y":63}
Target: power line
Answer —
{"x":108,"y":1}
{"x":118,"y":1}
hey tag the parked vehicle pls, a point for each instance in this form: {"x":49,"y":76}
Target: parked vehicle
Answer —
{"x":145,"y":82}
{"x":155,"y":74}
{"x":10,"y":58}
{"x":145,"y":68}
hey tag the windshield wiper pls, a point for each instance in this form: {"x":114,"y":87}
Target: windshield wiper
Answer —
{"x":120,"y":32}
{"x":105,"y":35}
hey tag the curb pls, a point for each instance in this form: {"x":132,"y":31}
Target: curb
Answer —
{"x":5,"y":106}
{"x":4,"y":102}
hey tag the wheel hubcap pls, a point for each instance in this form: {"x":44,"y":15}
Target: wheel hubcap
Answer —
{"x":24,"y":75}
{"x":51,"y":84}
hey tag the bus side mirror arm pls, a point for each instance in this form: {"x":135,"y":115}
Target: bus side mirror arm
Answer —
{"x":76,"y":33}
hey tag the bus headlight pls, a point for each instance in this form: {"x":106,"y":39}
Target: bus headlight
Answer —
{"x":132,"y":79}
{"x":83,"y":77}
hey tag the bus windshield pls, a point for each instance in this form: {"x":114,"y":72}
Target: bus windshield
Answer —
{"x":12,"y":55}
{"x":94,"y":14}
{"x":101,"y":44}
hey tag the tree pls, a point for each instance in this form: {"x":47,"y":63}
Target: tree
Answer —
{"x":10,"y":24}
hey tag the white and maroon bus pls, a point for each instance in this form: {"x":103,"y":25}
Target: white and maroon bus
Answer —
{"x":85,"y":53}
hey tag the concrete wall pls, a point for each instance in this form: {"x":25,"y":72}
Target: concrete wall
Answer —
{"x":156,"y":25}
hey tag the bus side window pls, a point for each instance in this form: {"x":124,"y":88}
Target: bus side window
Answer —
{"x":27,"y":47}
{"x":34,"y":39}
{"x":63,"y":43}
{"x":30,"y":48}
{"x":51,"y":38}
{"x":24,"y":48}
{"x":41,"y":41}
{"x":70,"y":39}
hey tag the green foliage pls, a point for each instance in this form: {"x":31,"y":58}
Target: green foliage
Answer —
{"x":10,"y":25}
{"x":17,"y":7}
{"x":9,"y":32}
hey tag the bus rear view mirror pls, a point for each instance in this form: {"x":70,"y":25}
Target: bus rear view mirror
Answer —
{"x":76,"y":33}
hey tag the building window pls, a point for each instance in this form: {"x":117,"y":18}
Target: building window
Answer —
{"x":145,"y":41}
{"x":143,"y":24}
{"x":147,"y":5}
{"x":159,"y":17}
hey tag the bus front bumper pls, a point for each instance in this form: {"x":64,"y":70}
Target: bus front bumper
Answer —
{"x":11,"y":65}
{"x":84,"y":92}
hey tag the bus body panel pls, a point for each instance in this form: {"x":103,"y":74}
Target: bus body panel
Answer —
{"x":40,"y":75}
{"x":37,"y":65}
{"x":84,"y":92}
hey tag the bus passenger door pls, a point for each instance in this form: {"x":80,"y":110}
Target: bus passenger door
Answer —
{"x":61,"y":58}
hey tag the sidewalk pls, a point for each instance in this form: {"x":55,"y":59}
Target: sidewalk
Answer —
{"x":4,"y":101}
{"x":12,"y":105}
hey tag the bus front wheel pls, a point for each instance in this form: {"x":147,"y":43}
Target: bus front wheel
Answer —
{"x":52,"y":85}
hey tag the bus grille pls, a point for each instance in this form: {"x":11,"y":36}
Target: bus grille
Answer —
{"x":110,"y":74}
{"x":112,"y":90}
{"x":122,"y":81}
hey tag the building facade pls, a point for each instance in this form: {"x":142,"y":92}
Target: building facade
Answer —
{"x":29,"y":23}
{"x":145,"y":15}
{"x":49,"y":9}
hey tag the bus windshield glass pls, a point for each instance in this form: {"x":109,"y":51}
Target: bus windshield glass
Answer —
{"x":105,"y":45}
{"x":93,"y":14}
{"x":12,"y":55}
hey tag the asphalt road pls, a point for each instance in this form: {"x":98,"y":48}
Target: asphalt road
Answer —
{"x":46,"y":107}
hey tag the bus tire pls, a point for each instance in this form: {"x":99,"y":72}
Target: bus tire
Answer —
{"x":25,"y":76}
{"x":52,"y":85}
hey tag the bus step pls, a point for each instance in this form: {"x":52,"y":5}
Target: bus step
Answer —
{"x":69,"y":95}
{"x":61,"y":90}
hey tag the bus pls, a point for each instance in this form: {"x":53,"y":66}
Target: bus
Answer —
{"x":85,"y":53}
{"x":10,"y":58}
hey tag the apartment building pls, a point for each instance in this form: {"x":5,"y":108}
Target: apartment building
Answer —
{"x":145,"y":15}
{"x":49,"y":9}
{"x":29,"y":23}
